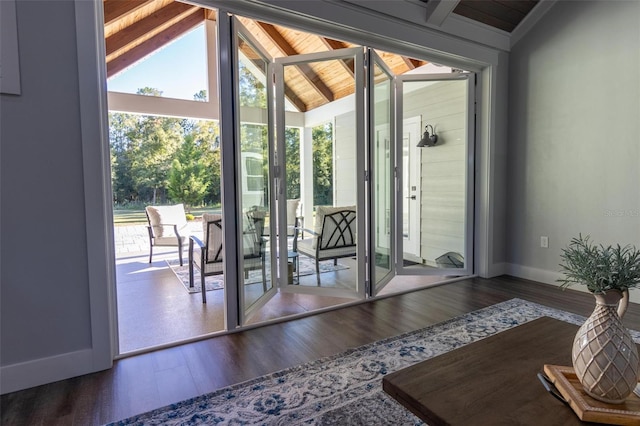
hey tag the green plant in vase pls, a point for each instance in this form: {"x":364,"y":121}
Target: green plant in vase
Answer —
{"x":598,"y":267}
{"x":604,"y":355}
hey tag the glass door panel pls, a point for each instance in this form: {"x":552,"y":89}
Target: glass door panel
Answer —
{"x":436,"y":173}
{"x":252,"y":173}
{"x":381,"y":131}
{"x":322,"y":145}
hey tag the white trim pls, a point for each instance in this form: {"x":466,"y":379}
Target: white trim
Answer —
{"x":28,"y":374}
{"x":97,"y":183}
{"x":533,"y":274}
{"x":442,"y":9}
{"x":318,"y":116}
{"x":531,"y":20}
{"x":168,"y":107}
{"x":551,"y":277}
{"x":211,"y":40}
{"x":470,"y":30}
{"x":484,"y":185}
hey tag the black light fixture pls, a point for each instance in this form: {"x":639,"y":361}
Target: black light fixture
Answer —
{"x":428,"y":140}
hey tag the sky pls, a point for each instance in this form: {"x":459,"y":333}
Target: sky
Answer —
{"x":179,"y":69}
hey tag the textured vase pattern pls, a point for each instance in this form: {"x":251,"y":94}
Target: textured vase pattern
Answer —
{"x":605,"y":357}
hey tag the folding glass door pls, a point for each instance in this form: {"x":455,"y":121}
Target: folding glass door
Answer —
{"x":334,"y":234}
{"x":435,"y":133}
{"x":397,"y":202}
{"x":253,"y":156}
{"x":381,"y":113}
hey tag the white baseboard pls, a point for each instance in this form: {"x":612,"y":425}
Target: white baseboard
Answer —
{"x":41,"y":371}
{"x":551,"y":277}
{"x":534,"y":274}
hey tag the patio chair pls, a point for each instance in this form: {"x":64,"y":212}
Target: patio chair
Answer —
{"x":334,"y":236}
{"x":254,"y":243}
{"x":208,"y":256}
{"x":167,"y":226}
{"x":294,"y":216}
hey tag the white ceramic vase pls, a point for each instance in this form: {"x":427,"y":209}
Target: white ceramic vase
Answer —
{"x":605,"y":357}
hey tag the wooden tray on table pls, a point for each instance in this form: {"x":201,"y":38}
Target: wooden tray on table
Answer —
{"x":587,"y":408}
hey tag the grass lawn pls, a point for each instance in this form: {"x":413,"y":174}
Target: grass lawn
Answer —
{"x":138,"y":217}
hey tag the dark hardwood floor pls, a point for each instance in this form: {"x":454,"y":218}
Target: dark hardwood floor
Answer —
{"x":144,"y":382}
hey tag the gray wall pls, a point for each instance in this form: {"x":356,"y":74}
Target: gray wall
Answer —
{"x":574,"y":133}
{"x":44,"y":274}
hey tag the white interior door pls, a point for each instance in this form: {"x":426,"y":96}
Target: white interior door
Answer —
{"x":436,"y":217}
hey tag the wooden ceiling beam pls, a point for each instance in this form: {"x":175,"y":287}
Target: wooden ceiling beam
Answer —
{"x":258,"y":62}
{"x":147,"y":27}
{"x":127,"y":59}
{"x":412,"y":63}
{"x":332,"y":44}
{"x":294,"y":99}
{"x":307,"y":72}
{"x":210,"y":14}
{"x":118,"y":9}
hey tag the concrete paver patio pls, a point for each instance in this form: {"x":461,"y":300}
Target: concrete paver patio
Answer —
{"x":130,"y":239}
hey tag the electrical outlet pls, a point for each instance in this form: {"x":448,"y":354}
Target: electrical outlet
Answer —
{"x":544,"y":242}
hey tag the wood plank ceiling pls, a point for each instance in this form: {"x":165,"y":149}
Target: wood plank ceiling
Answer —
{"x":501,"y":14}
{"x":134,"y":29}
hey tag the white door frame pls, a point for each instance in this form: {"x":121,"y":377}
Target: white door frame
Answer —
{"x":469,"y":181}
{"x":411,"y":130}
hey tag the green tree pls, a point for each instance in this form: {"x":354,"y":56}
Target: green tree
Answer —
{"x":252,"y":91}
{"x":149,"y":91}
{"x":201,"y":96}
{"x":143,"y":149}
{"x":187,"y":181}
{"x":154,"y":142}
{"x":323,"y":164}
{"x":206,"y":136}
{"x":211,"y":161}
{"x":120,"y":124}
{"x":292,"y":166}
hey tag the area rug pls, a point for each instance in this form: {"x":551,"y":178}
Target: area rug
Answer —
{"x":345,"y":389}
{"x":216,"y":282}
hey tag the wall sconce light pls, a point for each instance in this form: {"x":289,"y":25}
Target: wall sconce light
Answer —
{"x":428,"y":140}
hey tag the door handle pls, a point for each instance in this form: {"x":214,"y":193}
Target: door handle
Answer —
{"x":413,"y":197}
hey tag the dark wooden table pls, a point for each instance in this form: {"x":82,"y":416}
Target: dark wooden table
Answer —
{"x":492,"y":381}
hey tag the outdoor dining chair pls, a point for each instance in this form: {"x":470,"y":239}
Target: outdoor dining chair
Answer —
{"x":208,"y":255}
{"x":167,"y":226}
{"x":334,"y":236}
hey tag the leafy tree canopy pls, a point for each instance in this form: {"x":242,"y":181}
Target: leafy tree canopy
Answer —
{"x":188,"y":180}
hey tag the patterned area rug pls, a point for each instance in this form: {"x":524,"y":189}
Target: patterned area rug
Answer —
{"x":216,"y":282}
{"x":345,"y":389}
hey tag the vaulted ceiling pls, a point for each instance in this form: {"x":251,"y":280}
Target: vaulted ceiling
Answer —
{"x":502,"y":14}
{"x":134,"y":29}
